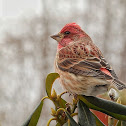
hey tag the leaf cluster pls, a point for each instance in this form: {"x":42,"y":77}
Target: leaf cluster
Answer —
{"x":64,"y":112}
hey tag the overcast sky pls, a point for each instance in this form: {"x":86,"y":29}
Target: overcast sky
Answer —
{"x":14,"y":8}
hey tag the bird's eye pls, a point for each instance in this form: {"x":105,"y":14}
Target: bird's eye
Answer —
{"x":66,"y":32}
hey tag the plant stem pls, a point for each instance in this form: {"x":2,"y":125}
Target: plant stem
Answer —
{"x":50,"y":121}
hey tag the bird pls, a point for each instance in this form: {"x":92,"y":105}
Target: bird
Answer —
{"x":81,"y":65}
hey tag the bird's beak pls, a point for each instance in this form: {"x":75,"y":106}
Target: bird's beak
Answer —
{"x":57,"y":37}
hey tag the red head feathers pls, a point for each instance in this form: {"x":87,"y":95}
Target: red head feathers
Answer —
{"x":70,"y":26}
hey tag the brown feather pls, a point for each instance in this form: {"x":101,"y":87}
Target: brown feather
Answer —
{"x":77,"y":58}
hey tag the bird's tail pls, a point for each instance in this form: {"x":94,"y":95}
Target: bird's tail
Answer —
{"x":119,"y":84}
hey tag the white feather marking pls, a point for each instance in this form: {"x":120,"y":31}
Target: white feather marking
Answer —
{"x":88,"y":47}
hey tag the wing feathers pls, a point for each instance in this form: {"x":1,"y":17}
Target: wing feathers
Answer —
{"x":77,"y":59}
{"x":120,"y":85}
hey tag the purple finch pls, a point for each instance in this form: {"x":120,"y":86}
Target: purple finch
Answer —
{"x":82,"y":68}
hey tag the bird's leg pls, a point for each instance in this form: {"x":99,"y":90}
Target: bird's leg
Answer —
{"x":75,"y":96}
{"x":75,"y":100}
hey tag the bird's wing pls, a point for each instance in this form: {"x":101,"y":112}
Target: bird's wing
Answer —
{"x":85,"y":59}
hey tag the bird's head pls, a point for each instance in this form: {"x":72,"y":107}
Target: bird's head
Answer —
{"x":70,"y":32}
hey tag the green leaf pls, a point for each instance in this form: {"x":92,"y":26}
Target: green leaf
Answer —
{"x":34,"y":117}
{"x":98,"y":122}
{"x":72,"y":121}
{"x":85,"y":117}
{"x":62,"y":103}
{"x":49,"y":82}
{"x":58,"y":124}
{"x":113,"y":109}
{"x":118,"y":123}
{"x":123,"y":123}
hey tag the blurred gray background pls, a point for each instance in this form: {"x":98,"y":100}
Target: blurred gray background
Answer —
{"x":27,"y":52}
